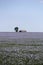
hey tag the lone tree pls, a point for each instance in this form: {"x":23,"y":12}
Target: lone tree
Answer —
{"x":16,"y":29}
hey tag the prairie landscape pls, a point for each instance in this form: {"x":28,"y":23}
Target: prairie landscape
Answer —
{"x":25,"y":51}
{"x":21,"y":48}
{"x":21,"y":32}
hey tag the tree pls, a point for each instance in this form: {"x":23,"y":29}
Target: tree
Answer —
{"x":16,"y":29}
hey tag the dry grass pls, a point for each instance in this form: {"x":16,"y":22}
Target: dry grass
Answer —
{"x":21,"y":54}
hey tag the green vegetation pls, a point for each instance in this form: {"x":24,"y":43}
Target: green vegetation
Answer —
{"x":17,"y":60}
{"x":21,"y":54}
{"x":14,"y":44}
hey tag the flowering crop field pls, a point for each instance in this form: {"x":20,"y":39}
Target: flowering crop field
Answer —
{"x":29,"y":52}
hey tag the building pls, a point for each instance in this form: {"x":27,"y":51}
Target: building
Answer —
{"x":22,"y":31}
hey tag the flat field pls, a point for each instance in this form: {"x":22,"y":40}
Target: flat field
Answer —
{"x":21,"y":52}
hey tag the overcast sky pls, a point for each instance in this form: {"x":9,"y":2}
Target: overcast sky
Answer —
{"x":26,"y":14}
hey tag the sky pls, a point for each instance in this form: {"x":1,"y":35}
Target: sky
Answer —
{"x":25,"y":14}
